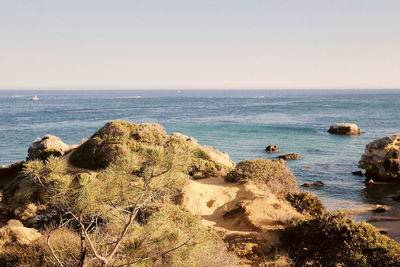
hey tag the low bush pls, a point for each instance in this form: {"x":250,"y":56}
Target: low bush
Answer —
{"x":334,"y":240}
{"x":306,"y":203}
{"x":65,"y":243}
{"x":272,"y":173}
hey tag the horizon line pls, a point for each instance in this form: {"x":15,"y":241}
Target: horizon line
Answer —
{"x":183,"y":89}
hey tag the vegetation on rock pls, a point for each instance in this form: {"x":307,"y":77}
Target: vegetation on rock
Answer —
{"x":118,"y":139}
{"x":272,"y":173}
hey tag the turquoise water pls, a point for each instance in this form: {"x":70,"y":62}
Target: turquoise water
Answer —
{"x":240,"y":122}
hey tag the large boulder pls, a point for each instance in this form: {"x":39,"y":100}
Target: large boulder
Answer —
{"x":381,"y":159}
{"x":344,"y":128}
{"x":16,"y":232}
{"x":41,"y":148}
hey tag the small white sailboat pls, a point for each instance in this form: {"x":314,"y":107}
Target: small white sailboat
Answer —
{"x":35,"y":98}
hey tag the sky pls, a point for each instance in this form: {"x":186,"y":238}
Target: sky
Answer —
{"x":203,"y":44}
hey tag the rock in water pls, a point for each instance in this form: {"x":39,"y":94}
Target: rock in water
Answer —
{"x":380,"y":209}
{"x":289,"y":156}
{"x":272,"y":148}
{"x":344,"y":128}
{"x":48,"y":145}
{"x":314,"y":184}
{"x":381,"y":159}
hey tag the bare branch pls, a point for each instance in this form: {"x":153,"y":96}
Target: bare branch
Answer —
{"x":51,"y":249}
{"x":88,"y":238}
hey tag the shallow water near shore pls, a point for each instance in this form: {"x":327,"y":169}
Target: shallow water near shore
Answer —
{"x":240,"y":122}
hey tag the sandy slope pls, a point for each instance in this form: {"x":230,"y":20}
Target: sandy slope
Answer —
{"x":247,"y":215}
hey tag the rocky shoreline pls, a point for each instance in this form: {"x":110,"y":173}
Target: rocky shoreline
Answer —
{"x":132,"y":174}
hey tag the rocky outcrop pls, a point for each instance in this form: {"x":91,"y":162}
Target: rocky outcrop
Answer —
{"x":289,"y":156}
{"x":41,"y":148}
{"x":119,"y":139}
{"x":381,"y":159}
{"x":16,"y":232}
{"x":345,"y":129}
{"x":272,"y":149}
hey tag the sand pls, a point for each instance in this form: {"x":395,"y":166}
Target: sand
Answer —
{"x":246,"y":215}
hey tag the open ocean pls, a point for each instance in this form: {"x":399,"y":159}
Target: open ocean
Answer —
{"x":240,"y":122}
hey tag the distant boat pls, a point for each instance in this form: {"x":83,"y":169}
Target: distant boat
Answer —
{"x":35,"y":98}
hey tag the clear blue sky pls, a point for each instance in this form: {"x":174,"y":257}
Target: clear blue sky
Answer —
{"x":199,"y":44}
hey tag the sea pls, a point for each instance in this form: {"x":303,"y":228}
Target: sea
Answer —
{"x":239,"y":122}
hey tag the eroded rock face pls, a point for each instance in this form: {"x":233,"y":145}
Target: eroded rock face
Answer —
{"x":381,"y":159}
{"x":45,"y":146}
{"x":345,"y":129}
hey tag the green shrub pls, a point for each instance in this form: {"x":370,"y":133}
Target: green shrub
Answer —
{"x":169,"y":228}
{"x":334,"y":240}
{"x":306,"y":203}
{"x":200,"y":168}
{"x":271,"y":173}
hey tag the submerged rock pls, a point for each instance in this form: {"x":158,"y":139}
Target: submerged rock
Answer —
{"x":272,"y":149}
{"x":44,"y":147}
{"x":381,"y":159}
{"x":344,"y":128}
{"x":314,"y":184}
{"x":289,"y":156}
